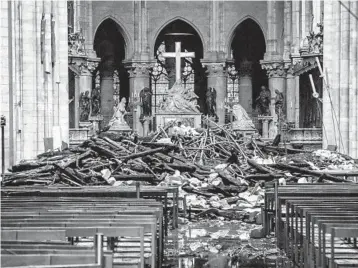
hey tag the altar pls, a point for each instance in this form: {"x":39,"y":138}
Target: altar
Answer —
{"x":187,"y":119}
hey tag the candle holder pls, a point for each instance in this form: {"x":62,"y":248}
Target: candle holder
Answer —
{"x":188,"y":70}
{"x":155,"y":74}
{"x":229,"y":103}
{"x":233,"y":75}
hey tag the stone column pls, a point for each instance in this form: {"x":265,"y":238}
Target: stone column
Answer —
{"x":328,"y":52}
{"x":276,"y":74}
{"x":287,"y":29}
{"x":217,"y":79}
{"x":271,"y":29}
{"x":295,"y":27}
{"x":245,"y":86}
{"x":107,"y":101}
{"x":344,"y":77}
{"x":83,"y":83}
{"x":353,"y":85}
{"x":290,"y":96}
{"x":138,"y":79}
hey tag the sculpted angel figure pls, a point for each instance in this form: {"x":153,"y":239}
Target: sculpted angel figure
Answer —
{"x":119,"y":112}
{"x":263,"y":101}
{"x":146,"y":101}
{"x":211,"y":101}
{"x":242,"y":119}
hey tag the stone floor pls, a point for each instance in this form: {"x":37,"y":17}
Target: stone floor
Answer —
{"x":218,"y":243}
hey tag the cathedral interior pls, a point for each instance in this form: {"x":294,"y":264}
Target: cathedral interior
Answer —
{"x":281,"y":72}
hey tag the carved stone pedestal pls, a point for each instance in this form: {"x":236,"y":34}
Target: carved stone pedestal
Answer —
{"x":119,"y":127}
{"x":146,"y":122}
{"x":188,"y":119}
{"x":245,"y":132}
{"x":96,"y":123}
{"x":81,"y":134}
{"x":306,"y":138}
{"x":266,"y":120}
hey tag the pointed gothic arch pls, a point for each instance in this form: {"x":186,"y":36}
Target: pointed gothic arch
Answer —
{"x":193,"y":73}
{"x":246,"y":48}
{"x":122,"y":29}
{"x":170,"y":21}
{"x":110,"y":45}
{"x":233,"y":29}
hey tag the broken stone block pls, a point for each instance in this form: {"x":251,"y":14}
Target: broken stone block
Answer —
{"x":194,"y":181}
{"x":244,"y":236}
{"x":257,"y":233}
{"x":218,"y":234}
{"x":221,"y":167}
{"x":252,"y":214}
{"x":242,"y":204}
{"x":258,"y":218}
{"x":302,"y":180}
{"x":232,"y":200}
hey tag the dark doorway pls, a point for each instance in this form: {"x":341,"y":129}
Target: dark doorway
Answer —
{"x":248,"y":44}
{"x":110,"y":46}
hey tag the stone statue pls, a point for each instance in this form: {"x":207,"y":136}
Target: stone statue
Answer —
{"x":146,"y":101}
{"x":263,"y":101}
{"x":179,"y":100}
{"x":84,"y":106}
{"x":117,"y":123}
{"x":242,"y":119}
{"x":279,"y":99}
{"x":96,"y":101}
{"x":211,"y":101}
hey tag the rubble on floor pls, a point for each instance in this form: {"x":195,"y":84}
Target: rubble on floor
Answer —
{"x":221,"y":175}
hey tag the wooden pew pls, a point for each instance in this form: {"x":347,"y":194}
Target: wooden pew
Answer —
{"x":75,"y":259}
{"x":316,"y":220}
{"x":61,"y":221}
{"x":159,"y":193}
{"x":45,"y":210}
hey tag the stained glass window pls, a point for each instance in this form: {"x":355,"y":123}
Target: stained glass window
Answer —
{"x":159,"y":83}
{"x":116,"y":87}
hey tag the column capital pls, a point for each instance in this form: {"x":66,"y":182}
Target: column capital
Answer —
{"x":245,"y":68}
{"x":138,"y":69}
{"x":274,"y":68}
{"x":82,"y":65}
{"x":215,"y":68}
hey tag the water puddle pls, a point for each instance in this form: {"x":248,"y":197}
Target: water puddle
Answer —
{"x":220,"y":244}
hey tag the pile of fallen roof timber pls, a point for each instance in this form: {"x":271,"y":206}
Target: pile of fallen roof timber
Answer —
{"x":102,"y":161}
{"x":215,"y":165}
{"x":43,"y":229}
{"x":316,"y":224}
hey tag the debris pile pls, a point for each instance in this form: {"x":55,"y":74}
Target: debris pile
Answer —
{"x":219,"y":172}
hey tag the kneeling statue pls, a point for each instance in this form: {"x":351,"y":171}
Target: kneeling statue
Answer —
{"x":242,"y":119}
{"x":117,"y":123}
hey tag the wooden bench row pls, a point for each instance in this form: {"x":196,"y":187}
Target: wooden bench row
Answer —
{"x":36,"y":227}
{"x":316,"y":224}
{"x":148,"y":192}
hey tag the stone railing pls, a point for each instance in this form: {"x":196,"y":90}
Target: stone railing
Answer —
{"x":306,"y":138}
{"x":78,"y":135}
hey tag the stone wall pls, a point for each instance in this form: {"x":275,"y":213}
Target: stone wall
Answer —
{"x":34,"y":95}
{"x":340,"y":102}
{"x":196,"y":13}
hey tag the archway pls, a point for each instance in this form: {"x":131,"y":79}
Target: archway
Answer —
{"x":110,"y":46}
{"x":247,"y":48}
{"x":192,"y":73}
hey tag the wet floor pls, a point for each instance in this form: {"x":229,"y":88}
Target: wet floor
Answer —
{"x":220,"y":244}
